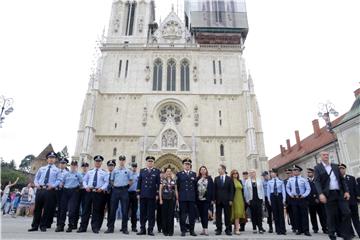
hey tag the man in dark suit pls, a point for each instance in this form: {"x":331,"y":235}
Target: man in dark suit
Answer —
{"x":334,"y":193}
{"x":186,"y":184}
{"x":224,"y":195}
{"x":351,"y":183}
{"x":315,"y":207}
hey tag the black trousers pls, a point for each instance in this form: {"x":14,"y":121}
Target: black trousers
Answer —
{"x":80,"y":205}
{"x":317,"y":209}
{"x":69,"y":203}
{"x":278,"y":212}
{"x":203,"y":207}
{"x":187,"y":208}
{"x":338,"y":215}
{"x":289,"y":210}
{"x":59,"y":193}
{"x":355,"y":218}
{"x":256,"y":213}
{"x":158,"y":215}
{"x":270,"y":213}
{"x":167,"y":216}
{"x":133,"y":207}
{"x":147,"y":213}
{"x":300,"y":210}
{"x":119,"y":194}
{"x":94,"y":206}
{"x":45,"y":203}
{"x":219,"y":209}
{"x":107,"y":197}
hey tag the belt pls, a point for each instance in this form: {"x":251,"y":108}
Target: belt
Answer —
{"x":275,"y":194}
{"x":43,"y":187}
{"x":75,"y":188}
{"x":122,"y":187}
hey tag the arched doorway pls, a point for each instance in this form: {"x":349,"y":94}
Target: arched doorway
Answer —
{"x":169,"y":160}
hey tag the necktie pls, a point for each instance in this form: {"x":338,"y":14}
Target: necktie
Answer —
{"x":275,"y":186}
{"x":95,"y":178}
{"x":222,"y":180}
{"x":47,"y":175}
{"x":297,"y":189}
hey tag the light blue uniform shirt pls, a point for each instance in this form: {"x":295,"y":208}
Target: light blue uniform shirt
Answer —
{"x":72,"y":179}
{"x":121,"y":177}
{"x":265,"y":186}
{"x":102,"y":179}
{"x":54,"y":176}
{"x":280,"y":188}
{"x":135,"y":177}
{"x":304,"y":186}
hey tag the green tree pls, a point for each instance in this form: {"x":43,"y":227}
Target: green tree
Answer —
{"x":25,"y":164}
{"x":12,"y":164}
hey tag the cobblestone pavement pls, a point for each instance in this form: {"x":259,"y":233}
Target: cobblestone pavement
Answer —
{"x":16,"y":228}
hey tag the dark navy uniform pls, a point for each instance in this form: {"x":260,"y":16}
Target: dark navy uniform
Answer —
{"x":46,"y":180}
{"x":186,"y":183}
{"x":96,"y":182}
{"x":82,"y":194}
{"x":133,"y":201}
{"x":71,"y":181}
{"x":288,"y":203}
{"x":148,"y":188}
{"x":59,"y":191}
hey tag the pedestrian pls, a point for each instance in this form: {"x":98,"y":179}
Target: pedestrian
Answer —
{"x":205,"y":197}
{"x":315,"y":207}
{"x":133,"y":200}
{"x":254,"y":196}
{"x":289,"y":202}
{"x":168,"y":198}
{"x":95,"y":182}
{"x":27,"y":194}
{"x":82,"y":194}
{"x":147,"y":189}
{"x":277,"y":196}
{"x":353,"y":205}
{"x":245,"y":176}
{"x":6,"y":193}
{"x":334,"y":193}
{"x":298,"y":189}
{"x":186,"y":184}
{"x":266,"y":177}
{"x":121,"y":179}
{"x":107,"y":195}
{"x":159,"y":208}
{"x":71,"y":182}
{"x":224,"y":196}
{"x":59,"y":192}
{"x":238,"y":206}
{"x":46,"y":180}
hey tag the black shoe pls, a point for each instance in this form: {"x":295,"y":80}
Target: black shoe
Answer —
{"x":125,"y":231}
{"x":109,"y":230}
{"x":150,"y":233}
{"x":95,"y":230}
{"x":217,"y":232}
{"x":183,"y":234}
{"x":192,"y":233}
{"x":33,"y":229}
{"x":307,"y":234}
{"x":69,"y":230}
{"x":316,"y":231}
{"x":133,"y":229}
{"x":298,"y":233}
{"x":48,"y":226}
{"x":242,"y":229}
{"x":43,"y":229}
{"x":80,"y":230}
{"x":284,"y":233}
{"x":142,"y":232}
{"x":228,"y":233}
{"x":59,"y":229}
{"x":325,"y":231}
{"x":159,"y":231}
{"x":270,"y":230}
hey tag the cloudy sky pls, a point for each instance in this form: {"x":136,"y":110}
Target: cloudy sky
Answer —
{"x":299,"y":52}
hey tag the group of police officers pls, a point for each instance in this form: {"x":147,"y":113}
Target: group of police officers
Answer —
{"x":89,"y":193}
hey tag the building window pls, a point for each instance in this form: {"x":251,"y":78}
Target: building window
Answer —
{"x":117,"y":109}
{"x":185,"y":76}
{"x":119,"y":71}
{"x":126,"y":68}
{"x":220,"y":70}
{"x":220,"y":114}
{"x":133,"y":158}
{"x":170,"y":111}
{"x":157,"y":75}
{"x":214,"y":67}
{"x":214,"y":80}
{"x":114,"y":152}
{"x":115,"y":125}
{"x":220,"y":81}
{"x":130,"y":19}
{"x":171,"y":75}
{"x":220,"y":122}
{"x":222,"y":151}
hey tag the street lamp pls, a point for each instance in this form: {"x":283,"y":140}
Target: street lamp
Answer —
{"x":6,"y":108}
{"x":325,"y":110}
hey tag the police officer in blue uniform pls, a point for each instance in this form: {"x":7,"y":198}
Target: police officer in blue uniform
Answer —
{"x":267,"y":177}
{"x":111,"y":166}
{"x":186,"y":184}
{"x":95,"y":182}
{"x":59,"y":190}
{"x":46,"y":180}
{"x":277,"y":197}
{"x":133,"y":201}
{"x":71,"y":182}
{"x":120,"y":179}
{"x":147,"y":190}
{"x":289,"y":202}
{"x":82,"y":194}
{"x":298,"y":189}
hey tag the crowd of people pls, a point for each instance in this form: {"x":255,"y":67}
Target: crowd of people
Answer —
{"x":327,"y":193}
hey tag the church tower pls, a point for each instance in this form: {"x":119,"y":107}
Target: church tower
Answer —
{"x":173,"y":90}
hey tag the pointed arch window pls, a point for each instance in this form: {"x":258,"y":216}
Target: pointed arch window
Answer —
{"x":157,"y":75}
{"x":185,"y":76}
{"x":114,"y":152}
{"x":222,"y":151}
{"x":171,"y":75}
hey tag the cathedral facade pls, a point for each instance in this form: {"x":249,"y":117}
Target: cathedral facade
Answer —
{"x":173,"y":89}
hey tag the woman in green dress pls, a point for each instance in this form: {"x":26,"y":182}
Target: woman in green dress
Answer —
{"x":238,"y":206}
